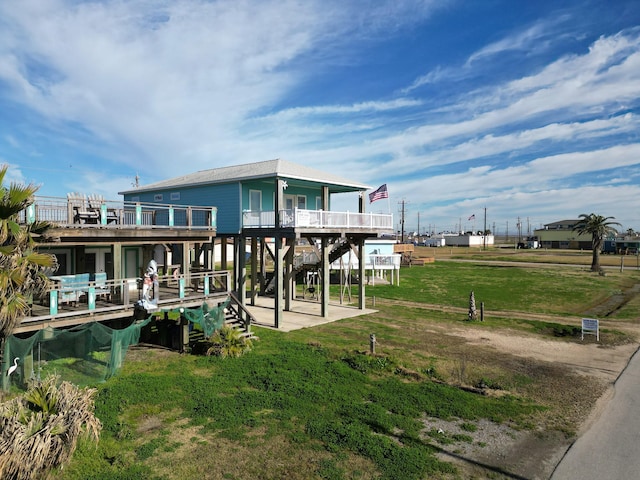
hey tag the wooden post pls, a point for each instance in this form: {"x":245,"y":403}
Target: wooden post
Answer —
{"x":324,"y":252}
{"x":372,"y":343}
{"x":279,"y":290}
{"x":223,"y":254}
{"x":289,"y":278}
{"x":185,"y":335}
{"x":254,"y":270}
{"x":361,"y":273}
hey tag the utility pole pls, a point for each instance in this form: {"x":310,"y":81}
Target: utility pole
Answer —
{"x":418,"y":225}
{"x":402,"y":222}
{"x":519,"y":227}
{"x":484,"y":233}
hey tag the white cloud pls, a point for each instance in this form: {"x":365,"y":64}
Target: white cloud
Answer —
{"x":172,"y":79}
{"x":165,"y":88}
{"x":364,"y":107}
{"x":534,"y":38}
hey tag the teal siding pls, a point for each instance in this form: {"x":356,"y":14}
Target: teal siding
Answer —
{"x":225,"y":197}
{"x":267,"y":189}
{"x":268,"y":194}
{"x":231,"y":199}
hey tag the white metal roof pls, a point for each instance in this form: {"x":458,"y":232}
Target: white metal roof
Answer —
{"x":266,"y":169}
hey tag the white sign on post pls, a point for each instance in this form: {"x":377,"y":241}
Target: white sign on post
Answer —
{"x":303,"y":218}
{"x":591,"y":326}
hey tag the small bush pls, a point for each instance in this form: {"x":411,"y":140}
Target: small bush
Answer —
{"x":468,"y":427}
{"x":366,"y":363}
{"x":566,"y":331}
{"x":488,"y":383}
{"x":461,"y":437}
{"x":229,"y":342}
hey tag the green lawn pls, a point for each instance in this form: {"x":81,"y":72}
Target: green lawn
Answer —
{"x":544,"y":289}
{"x":347,"y":416}
{"x":314,"y":404}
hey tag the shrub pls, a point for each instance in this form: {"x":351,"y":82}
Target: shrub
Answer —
{"x":229,"y":342}
{"x":40,"y":430}
{"x":366,"y":363}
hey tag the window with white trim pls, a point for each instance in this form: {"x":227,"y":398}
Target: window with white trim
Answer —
{"x":255,"y":200}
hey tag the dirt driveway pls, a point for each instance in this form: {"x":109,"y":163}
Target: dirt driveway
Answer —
{"x":504,"y":452}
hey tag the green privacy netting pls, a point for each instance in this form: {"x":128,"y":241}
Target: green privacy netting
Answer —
{"x":209,"y":319}
{"x":90,"y":353}
{"x":85,"y":354}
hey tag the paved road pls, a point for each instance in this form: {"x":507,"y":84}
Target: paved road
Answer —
{"x":610,"y":449}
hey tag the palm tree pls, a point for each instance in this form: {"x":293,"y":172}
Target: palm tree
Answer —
{"x":22,"y":268}
{"x":599,"y":228}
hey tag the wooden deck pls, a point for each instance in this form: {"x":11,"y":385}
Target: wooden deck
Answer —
{"x":119,"y":305}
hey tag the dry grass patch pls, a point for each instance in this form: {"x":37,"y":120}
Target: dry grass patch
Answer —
{"x":273,"y":458}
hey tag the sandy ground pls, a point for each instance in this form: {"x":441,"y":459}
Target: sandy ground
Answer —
{"x":504,"y":452}
{"x":587,"y":358}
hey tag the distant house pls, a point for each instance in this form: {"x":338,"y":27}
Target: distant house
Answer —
{"x":628,"y":245}
{"x":382,"y":264}
{"x":275,"y":205}
{"x":468,"y":240}
{"x":561,"y":234}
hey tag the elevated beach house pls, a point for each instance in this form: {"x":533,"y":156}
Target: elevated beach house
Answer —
{"x":277,"y":214}
{"x":102,"y":250}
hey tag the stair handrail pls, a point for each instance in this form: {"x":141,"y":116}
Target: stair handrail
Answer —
{"x":248,"y":317}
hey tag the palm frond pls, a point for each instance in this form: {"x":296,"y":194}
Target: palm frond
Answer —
{"x":21,"y":267}
{"x":34,"y":440}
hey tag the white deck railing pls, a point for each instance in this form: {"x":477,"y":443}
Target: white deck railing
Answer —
{"x":373,"y":262}
{"x":317,"y":219}
{"x":86,"y":212}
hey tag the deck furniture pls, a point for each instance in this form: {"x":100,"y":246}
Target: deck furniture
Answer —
{"x":71,"y":288}
{"x":82,"y":210}
{"x":99,"y":280}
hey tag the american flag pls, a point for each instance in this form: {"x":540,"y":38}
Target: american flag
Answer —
{"x":472,"y":217}
{"x":381,"y":192}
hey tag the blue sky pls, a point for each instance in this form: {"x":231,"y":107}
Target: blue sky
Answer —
{"x":529,"y":109}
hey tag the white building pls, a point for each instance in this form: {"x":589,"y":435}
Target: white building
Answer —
{"x":470,"y":240}
{"x":381,"y":263}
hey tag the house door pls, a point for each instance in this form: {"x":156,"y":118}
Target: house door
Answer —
{"x":65,"y":266}
{"x":96,"y":259}
{"x":289,"y":202}
{"x":131,"y":256}
{"x":295,"y":201}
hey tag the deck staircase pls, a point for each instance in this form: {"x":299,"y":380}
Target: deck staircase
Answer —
{"x":232,"y":318}
{"x":238,"y":317}
{"x":307,"y":261}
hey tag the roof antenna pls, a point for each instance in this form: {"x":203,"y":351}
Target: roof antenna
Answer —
{"x":137,"y":182}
